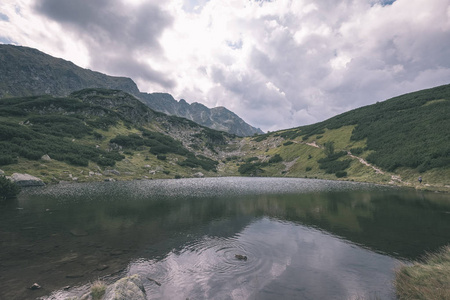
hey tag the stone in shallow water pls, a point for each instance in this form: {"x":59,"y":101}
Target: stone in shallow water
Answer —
{"x":35,"y":286}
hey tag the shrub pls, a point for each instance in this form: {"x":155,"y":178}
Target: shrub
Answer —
{"x":199,"y":161}
{"x":161,"y":157}
{"x":341,"y":174}
{"x":329,"y":148}
{"x":7,"y":160}
{"x":275,"y":159}
{"x":288,"y":143}
{"x":308,"y":169}
{"x":252,"y":169}
{"x":8,"y":189}
{"x":98,"y":290}
{"x":250,"y":159}
{"x":357,"y":151}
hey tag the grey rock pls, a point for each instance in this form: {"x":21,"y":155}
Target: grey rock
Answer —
{"x":199,"y":175}
{"x":130,"y":288}
{"x":35,"y":286}
{"x":46,"y":157}
{"x":218,"y":118}
{"x":24,"y":180}
{"x":111,"y":172}
{"x":1,"y":172}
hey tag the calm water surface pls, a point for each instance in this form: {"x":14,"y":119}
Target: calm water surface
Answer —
{"x":304,"y":239}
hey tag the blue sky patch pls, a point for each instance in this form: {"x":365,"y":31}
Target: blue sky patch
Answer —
{"x":4,"y":17}
{"x":5,"y":40}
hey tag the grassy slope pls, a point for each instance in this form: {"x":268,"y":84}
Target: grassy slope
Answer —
{"x":406,"y":137}
{"x":429,"y":279}
{"x":77,"y":131}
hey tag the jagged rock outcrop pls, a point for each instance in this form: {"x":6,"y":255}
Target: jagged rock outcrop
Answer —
{"x":218,"y":118}
{"x":26,"y":72}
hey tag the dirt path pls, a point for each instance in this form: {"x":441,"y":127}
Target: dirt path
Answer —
{"x":394,"y":178}
{"x":361,"y":160}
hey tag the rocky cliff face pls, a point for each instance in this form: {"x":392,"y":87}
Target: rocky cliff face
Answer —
{"x":26,"y":72}
{"x":218,"y":118}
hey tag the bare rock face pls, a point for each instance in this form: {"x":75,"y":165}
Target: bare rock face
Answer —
{"x":24,"y":180}
{"x":130,"y":288}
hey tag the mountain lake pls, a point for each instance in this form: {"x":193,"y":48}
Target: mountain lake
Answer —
{"x":218,"y":238}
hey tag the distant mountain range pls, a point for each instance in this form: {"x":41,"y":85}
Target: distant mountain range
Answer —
{"x":26,"y":72}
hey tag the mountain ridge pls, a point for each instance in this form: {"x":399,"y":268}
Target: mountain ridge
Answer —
{"x":27,"y":71}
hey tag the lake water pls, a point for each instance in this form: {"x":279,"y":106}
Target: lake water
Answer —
{"x":303,"y":239}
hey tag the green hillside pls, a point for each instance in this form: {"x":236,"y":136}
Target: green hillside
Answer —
{"x":100,"y":132}
{"x":403,"y":137}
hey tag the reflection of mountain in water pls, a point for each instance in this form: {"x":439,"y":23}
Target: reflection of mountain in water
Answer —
{"x":401,"y":224}
{"x":64,"y":236}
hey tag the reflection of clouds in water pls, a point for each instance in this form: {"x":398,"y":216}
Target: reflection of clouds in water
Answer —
{"x":284,"y":260}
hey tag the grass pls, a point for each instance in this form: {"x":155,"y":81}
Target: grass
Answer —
{"x":429,"y":279}
{"x":98,"y":289}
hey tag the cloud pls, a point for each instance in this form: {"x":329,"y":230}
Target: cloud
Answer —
{"x":323,"y":57}
{"x":277,"y":64}
{"x":115,"y":33}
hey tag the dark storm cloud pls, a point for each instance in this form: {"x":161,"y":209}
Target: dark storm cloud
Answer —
{"x":114,"y":33}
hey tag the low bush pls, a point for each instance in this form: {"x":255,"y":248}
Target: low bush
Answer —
{"x":275,"y":159}
{"x":199,"y":161}
{"x":341,"y":174}
{"x":8,"y":189}
{"x":356,"y":151}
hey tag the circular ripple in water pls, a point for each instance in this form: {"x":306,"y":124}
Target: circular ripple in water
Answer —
{"x":205,"y":267}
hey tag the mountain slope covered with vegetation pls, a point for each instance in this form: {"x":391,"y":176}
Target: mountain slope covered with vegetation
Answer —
{"x":96,"y":134}
{"x":29,"y":72}
{"x":93,"y":132}
{"x":398,"y":139}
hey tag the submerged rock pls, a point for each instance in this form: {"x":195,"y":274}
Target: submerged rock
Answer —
{"x":130,"y":288}
{"x":240,"y":257}
{"x":78,"y":232}
{"x":26,"y":180}
{"x":35,"y":286}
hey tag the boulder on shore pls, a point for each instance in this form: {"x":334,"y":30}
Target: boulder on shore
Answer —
{"x":24,"y":180}
{"x":130,"y":288}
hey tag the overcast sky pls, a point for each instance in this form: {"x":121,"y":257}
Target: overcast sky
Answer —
{"x":277,"y":64}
